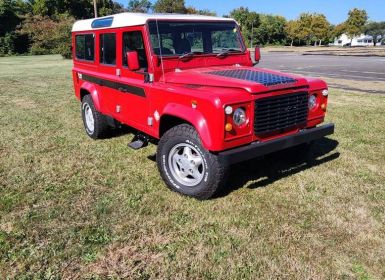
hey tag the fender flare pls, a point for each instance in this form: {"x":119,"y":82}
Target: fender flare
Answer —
{"x":192,"y":116}
{"x":92,"y":89}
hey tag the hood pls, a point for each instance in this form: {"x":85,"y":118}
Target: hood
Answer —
{"x":253,"y":80}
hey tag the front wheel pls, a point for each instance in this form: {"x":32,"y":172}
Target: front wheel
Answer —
{"x":186,"y":166}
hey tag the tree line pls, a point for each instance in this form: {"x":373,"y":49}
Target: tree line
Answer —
{"x":44,"y":26}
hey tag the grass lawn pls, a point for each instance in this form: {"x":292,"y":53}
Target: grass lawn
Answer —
{"x":71,"y":207}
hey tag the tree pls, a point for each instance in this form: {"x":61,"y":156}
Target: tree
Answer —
{"x":313,"y":28}
{"x":292,"y":31}
{"x":192,"y":10}
{"x":139,"y":6}
{"x":271,"y":30}
{"x":8,"y":17}
{"x":249,"y":21}
{"x":305,"y":27}
{"x":376,"y":30}
{"x":49,"y":36}
{"x":170,"y":6}
{"x":339,"y":29}
{"x":355,"y":23}
{"x":320,"y":28}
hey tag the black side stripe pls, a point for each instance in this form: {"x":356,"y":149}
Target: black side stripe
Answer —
{"x":115,"y":85}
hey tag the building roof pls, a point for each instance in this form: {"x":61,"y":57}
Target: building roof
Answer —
{"x":134,"y":19}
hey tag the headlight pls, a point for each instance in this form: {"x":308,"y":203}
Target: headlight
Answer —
{"x":239,"y":116}
{"x":312,"y":102}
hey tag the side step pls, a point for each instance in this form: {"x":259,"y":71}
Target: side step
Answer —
{"x":139,"y":141}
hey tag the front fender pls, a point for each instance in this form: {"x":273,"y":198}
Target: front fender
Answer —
{"x":93,"y":90}
{"x":194,"y":117}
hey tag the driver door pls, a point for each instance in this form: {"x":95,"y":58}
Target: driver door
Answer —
{"x":134,"y":96}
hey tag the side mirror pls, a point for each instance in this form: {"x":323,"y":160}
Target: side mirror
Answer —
{"x":133,"y":60}
{"x":257,"y":55}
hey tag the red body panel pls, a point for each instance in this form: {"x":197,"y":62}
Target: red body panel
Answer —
{"x":184,"y":90}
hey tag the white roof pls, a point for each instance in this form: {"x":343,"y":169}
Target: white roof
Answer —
{"x":134,"y":19}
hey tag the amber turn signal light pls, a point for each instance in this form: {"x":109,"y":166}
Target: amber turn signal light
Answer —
{"x":323,"y":107}
{"x":228,"y":127}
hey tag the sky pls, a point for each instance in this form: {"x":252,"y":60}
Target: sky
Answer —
{"x":335,"y":10}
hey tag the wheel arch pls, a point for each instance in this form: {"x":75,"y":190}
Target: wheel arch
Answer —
{"x":176,"y":114}
{"x":89,"y":88}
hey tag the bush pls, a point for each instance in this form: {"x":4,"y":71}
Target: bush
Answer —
{"x":63,"y":36}
{"x":49,"y":36}
{"x":6,"y":44}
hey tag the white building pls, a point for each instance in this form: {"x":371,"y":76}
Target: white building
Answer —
{"x":362,"y":40}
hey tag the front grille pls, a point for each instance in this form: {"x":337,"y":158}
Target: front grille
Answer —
{"x":279,"y":113}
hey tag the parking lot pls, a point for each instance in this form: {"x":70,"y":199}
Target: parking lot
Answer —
{"x":344,"y":68}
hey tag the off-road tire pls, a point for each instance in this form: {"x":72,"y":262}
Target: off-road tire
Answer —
{"x":101,"y":127}
{"x":214,"y":172}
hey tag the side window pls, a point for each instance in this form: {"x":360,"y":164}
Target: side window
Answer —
{"x":133,"y":41}
{"x":85,"y":47}
{"x":107,"y":44}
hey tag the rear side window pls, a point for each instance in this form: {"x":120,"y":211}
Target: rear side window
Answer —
{"x":85,"y":47}
{"x":108,"y":48}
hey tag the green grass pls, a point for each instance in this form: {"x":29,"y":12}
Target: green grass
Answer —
{"x":71,"y":207}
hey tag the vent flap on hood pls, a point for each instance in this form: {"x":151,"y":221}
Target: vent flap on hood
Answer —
{"x":264,"y":78}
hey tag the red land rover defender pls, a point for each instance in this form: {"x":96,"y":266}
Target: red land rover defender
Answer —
{"x":189,"y":81}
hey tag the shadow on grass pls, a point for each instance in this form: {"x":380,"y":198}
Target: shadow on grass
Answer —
{"x":119,"y":131}
{"x":276,"y":166}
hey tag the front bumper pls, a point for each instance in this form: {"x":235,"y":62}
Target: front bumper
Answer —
{"x":257,"y":149}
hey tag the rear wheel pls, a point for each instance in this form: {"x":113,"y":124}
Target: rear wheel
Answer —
{"x":95,"y":123}
{"x":186,"y":166}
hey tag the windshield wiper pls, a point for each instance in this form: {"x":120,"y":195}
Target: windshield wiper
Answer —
{"x":227,"y":51}
{"x":188,"y":55}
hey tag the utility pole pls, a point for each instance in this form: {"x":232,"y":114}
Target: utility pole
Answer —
{"x":252,"y":34}
{"x":95,"y":9}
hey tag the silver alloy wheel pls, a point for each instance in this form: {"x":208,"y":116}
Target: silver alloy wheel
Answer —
{"x":89,"y":117}
{"x":186,"y":164}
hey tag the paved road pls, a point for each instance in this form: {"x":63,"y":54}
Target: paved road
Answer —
{"x":336,"y":67}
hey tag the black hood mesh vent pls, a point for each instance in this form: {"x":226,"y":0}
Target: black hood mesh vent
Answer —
{"x":264,"y":78}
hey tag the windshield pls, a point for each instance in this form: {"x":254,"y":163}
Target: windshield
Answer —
{"x":178,"y":38}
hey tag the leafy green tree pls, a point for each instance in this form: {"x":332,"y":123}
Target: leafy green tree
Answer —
{"x":271,"y":30}
{"x":375,"y":29}
{"x":21,"y":7}
{"x":313,"y":28}
{"x":320,"y":28}
{"x":305,"y":28}
{"x":8,"y":17}
{"x":355,"y":24}
{"x":9,"y":20}
{"x":49,"y":36}
{"x":292,"y":31}
{"x":249,"y":22}
{"x":192,"y":10}
{"x":139,"y":6}
{"x":44,"y":7}
{"x":170,"y":6}
{"x":338,"y":30}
